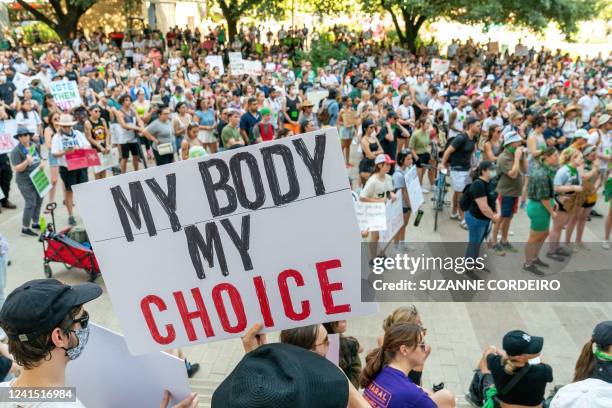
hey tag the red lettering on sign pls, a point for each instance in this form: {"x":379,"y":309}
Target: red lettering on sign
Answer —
{"x":188,"y":316}
{"x":286,"y":297}
{"x":237,"y":305}
{"x":264,"y":304}
{"x":327,"y":288}
{"x":145,"y":306}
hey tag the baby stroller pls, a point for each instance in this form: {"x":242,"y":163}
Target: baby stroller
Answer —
{"x":61,"y":247}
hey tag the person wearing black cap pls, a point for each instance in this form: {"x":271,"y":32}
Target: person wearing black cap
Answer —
{"x":47,"y":327}
{"x":592,"y":383}
{"x":516,"y":377}
{"x":26,"y":159}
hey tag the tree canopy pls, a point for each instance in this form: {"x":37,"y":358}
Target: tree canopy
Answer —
{"x":409,"y":15}
{"x":65,"y":16}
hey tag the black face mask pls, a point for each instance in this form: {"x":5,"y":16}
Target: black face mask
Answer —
{"x":603,"y":370}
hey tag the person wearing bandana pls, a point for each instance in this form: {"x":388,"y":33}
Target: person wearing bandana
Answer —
{"x":26,"y":159}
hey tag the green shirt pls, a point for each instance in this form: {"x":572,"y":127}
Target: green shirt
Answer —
{"x":508,"y":186}
{"x":420,"y":142}
{"x":540,"y":183}
{"x":229,"y":133}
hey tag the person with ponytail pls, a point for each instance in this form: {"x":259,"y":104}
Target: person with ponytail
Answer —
{"x":592,"y":384}
{"x":385,"y":376}
{"x":540,"y":208}
{"x":515,"y":378}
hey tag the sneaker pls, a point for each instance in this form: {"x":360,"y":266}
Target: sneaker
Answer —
{"x":508,"y":247}
{"x":533,"y":269}
{"x":555,"y":257}
{"x":541,"y":263}
{"x":563,"y":252}
{"x":72,"y":221}
{"x":28,"y":232}
{"x":454,"y":216}
{"x":9,"y":205}
{"x":36,"y":226}
{"x":596,"y":214}
{"x":582,"y":247}
{"x":499,"y":251}
{"x":425,"y":191}
{"x":463,"y":225}
{"x":605,"y":245}
{"x":192,"y":369}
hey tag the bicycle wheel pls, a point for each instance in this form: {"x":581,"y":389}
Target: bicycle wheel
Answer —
{"x":436,"y":219}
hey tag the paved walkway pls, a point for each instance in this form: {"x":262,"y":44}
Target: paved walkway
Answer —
{"x":457,"y":332}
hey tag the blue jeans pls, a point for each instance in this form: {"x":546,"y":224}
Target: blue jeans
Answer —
{"x":477,"y":230}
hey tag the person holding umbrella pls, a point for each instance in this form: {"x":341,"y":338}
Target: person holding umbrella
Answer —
{"x":67,"y":140}
{"x":26,"y":159}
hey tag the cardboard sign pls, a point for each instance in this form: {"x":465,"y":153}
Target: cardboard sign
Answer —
{"x":235,"y":57}
{"x":493,"y":47}
{"x":41,"y":182}
{"x":394,"y":216}
{"x":82,"y":158}
{"x":199,"y":250}
{"x":316,"y":96}
{"x":66,"y":94}
{"x":237,"y":68}
{"x":370,"y":216}
{"x":253,"y":67}
{"x":141,"y":382}
{"x":521,"y":50}
{"x":270,"y":67}
{"x":21,"y":82}
{"x":8,"y":129}
{"x":415,"y":192}
{"x":439,"y":66}
{"x":107,"y":161}
{"x":215,"y":61}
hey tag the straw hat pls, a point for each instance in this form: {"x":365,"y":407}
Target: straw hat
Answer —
{"x":572,"y":108}
{"x":66,"y":120}
{"x":307,"y":103}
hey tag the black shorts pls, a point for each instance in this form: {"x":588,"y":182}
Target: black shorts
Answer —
{"x":423,"y":159}
{"x":73,"y":177}
{"x":406,"y":210}
{"x":128,"y":148}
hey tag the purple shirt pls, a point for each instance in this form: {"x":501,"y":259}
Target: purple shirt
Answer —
{"x":393,"y":389}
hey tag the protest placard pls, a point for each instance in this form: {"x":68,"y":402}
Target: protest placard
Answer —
{"x":394,"y":216}
{"x":493,"y":47}
{"x":270,"y":67}
{"x":8,"y":129}
{"x":199,"y":250}
{"x":82,"y":158}
{"x":41,"y":182}
{"x":107,"y":376}
{"x":66,"y":94}
{"x":371,"y":216}
{"x":252,"y":67}
{"x":317,"y":95}
{"x":439,"y":66}
{"x":237,"y":68}
{"x":521,"y":50}
{"x":107,"y":161}
{"x":333,"y":351}
{"x":235,"y":57}
{"x":21,"y":82}
{"x":215,"y":61}
{"x":415,"y":192}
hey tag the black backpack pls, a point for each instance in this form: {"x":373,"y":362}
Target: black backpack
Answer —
{"x":466,"y":198}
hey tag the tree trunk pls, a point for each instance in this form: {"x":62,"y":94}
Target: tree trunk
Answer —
{"x":412,"y":31}
{"x":232,"y":28}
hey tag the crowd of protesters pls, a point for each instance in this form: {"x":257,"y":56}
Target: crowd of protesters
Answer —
{"x":528,"y":131}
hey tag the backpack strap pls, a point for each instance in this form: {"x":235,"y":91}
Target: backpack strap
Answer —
{"x":512,"y":383}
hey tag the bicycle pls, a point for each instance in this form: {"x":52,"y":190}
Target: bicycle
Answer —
{"x":439,"y":193}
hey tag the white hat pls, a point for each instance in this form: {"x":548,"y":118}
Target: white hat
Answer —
{"x":589,"y":393}
{"x":442,"y":93}
{"x":486,"y":89}
{"x":602,"y":91}
{"x":512,"y":137}
{"x":383,"y":158}
{"x":66,"y":120}
{"x":603,"y":119}
{"x":490,"y":77}
{"x":581,"y":133}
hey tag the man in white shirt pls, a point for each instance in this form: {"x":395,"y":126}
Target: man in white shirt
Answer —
{"x":588,"y":103}
{"x":492,"y":119}
{"x":328,"y":80}
{"x":457,"y":117}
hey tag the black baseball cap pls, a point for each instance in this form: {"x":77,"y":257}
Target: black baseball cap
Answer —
{"x":40,"y":305}
{"x":283,"y":375}
{"x":602,"y":334}
{"x":518,"y":342}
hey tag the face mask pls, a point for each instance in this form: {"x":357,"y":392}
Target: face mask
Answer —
{"x":492,"y":174}
{"x":82,"y":336}
{"x":511,"y":149}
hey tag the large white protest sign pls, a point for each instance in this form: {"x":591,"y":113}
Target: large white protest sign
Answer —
{"x":415,"y":192}
{"x":106,"y":375}
{"x":394,"y":216}
{"x":521,"y":50}
{"x":21,"y":82}
{"x":253,"y":67}
{"x":235,"y":56}
{"x":8,"y":129}
{"x":66,"y":94}
{"x":317,"y":95}
{"x":215,"y":61}
{"x":371,"y":216}
{"x":439,"y":66}
{"x":199,"y":250}
{"x":107,"y":161}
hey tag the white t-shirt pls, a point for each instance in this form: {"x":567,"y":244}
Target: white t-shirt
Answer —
{"x":458,"y":123}
{"x":377,"y":188}
{"x":588,"y":105}
{"x":589,"y":393}
{"x":604,"y":148}
{"x":492,"y":121}
{"x":8,"y":384}
{"x":31,"y":123}
{"x":128,"y":48}
{"x":61,"y":142}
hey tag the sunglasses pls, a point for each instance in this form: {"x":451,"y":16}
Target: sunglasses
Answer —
{"x":83,"y":320}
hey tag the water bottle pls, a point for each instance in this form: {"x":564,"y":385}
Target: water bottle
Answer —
{"x":417,"y":220}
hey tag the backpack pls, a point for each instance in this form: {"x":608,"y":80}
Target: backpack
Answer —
{"x":466,"y":198}
{"x":323,"y":113}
